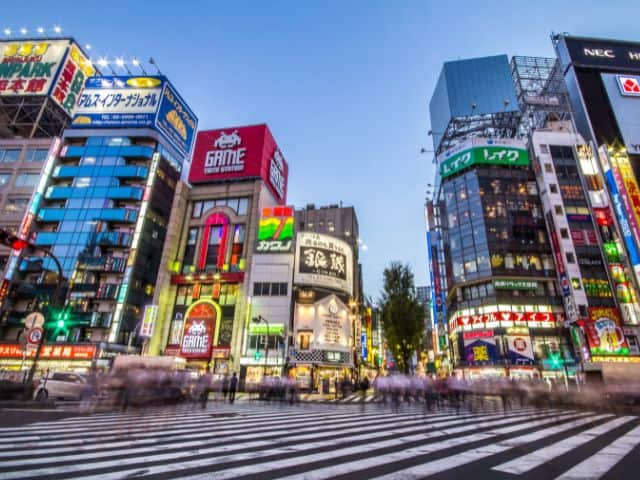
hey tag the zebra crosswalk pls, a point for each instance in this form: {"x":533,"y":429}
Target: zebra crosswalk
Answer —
{"x":321,"y":441}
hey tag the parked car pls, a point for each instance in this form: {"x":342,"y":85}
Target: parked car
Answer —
{"x":65,"y":385}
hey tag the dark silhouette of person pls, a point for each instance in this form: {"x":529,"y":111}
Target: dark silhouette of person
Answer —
{"x":233,"y":385}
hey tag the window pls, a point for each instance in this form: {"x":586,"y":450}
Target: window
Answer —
{"x":304,"y":339}
{"x":197,"y":210}
{"x":243,"y":206}
{"x":36,"y":155}
{"x":558,"y":209}
{"x":544,"y":148}
{"x":9,"y":156}
{"x":215,"y":241}
{"x":553,"y":188}
{"x":27,"y":180}
{"x":15,"y":205}
{"x":261,"y":289}
{"x":279,"y":289}
{"x":4,"y":179}
{"x":571,"y":258}
{"x":548,"y":168}
{"x":190,"y":250}
{"x":238,"y":243}
{"x":564,"y":233}
{"x":330,"y":226}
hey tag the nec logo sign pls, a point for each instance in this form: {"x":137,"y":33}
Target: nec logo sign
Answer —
{"x":599,"y":52}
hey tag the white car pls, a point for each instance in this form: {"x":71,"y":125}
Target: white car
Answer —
{"x":65,"y":385}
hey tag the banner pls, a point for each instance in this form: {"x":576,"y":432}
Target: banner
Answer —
{"x":480,"y":347}
{"x":604,"y":333}
{"x":323,"y":261}
{"x":199,"y":327}
{"x":520,"y":350}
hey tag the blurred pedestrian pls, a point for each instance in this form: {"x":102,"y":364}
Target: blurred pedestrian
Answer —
{"x":233,"y":385}
{"x":225,"y":387}
{"x":203,"y":388}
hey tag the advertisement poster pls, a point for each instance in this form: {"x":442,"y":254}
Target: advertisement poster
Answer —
{"x":604,"y":333}
{"x":480,"y":347}
{"x":323,"y":261}
{"x":275,"y":230}
{"x":199,"y":327}
{"x":506,"y":152}
{"x":119,"y":102}
{"x":237,"y":153}
{"x":29,"y":67}
{"x":329,"y":321}
{"x":70,"y":82}
{"x":520,"y":349}
{"x":176,"y":121}
{"x":137,"y":102}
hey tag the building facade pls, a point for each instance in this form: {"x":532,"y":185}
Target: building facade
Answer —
{"x":102,"y":208}
{"x":206,"y":305}
{"x":504,"y":313}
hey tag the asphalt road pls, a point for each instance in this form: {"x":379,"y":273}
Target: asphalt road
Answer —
{"x":249,"y":440}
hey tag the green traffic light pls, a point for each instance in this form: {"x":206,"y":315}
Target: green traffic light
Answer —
{"x":60,"y":324}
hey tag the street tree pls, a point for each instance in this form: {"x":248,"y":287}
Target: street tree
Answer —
{"x":402,"y":314}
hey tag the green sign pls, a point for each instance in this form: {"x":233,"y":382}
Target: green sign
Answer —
{"x":261,"y":329}
{"x":611,"y":251}
{"x":489,"y":155}
{"x":515,"y":284}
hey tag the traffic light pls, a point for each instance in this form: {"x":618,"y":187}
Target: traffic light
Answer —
{"x":12,"y":241}
{"x":556,"y":362}
{"x":258,"y":355}
{"x":61,"y":318}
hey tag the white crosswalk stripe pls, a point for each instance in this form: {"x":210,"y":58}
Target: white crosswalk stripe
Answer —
{"x":315,"y":442}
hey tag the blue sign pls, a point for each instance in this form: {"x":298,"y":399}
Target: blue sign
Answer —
{"x":363,"y":343}
{"x":137,"y":102}
{"x":176,"y":121}
{"x":622,"y":219}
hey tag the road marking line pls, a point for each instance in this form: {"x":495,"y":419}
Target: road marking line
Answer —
{"x":258,"y":462}
{"x":604,"y":460}
{"x":463,"y":458}
{"x":538,"y":457}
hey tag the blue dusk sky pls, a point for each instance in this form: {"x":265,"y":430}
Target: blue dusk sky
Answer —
{"x":343,"y":85}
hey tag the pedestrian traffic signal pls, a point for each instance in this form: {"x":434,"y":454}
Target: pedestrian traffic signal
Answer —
{"x":556,"y":361}
{"x":257,"y":355}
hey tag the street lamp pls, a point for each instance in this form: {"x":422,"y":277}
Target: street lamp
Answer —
{"x":257,"y":320}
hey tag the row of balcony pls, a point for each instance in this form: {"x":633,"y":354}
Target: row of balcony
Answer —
{"x":104,"y":239}
{"x":118,"y":171}
{"x":107,"y":151}
{"x":118,"y":193}
{"x":124,"y":215}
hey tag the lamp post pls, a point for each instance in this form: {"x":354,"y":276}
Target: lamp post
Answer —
{"x":257,"y":320}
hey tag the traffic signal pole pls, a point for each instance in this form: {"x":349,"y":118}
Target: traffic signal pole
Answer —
{"x":16,"y":243}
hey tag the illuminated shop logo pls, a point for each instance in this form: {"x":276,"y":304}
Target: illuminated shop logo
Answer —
{"x":629,"y":86}
{"x":228,"y":141}
{"x":226,"y":157}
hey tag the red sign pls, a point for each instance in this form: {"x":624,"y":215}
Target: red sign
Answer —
{"x":220,"y":352}
{"x":239,"y":153}
{"x":477,"y":334}
{"x":34,"y":335}
{"x":603,"y":216}
{"x":197,"y":336}
{"x":480,"y":321}
{"x":51,"y":352}
{"x":629,"y":85}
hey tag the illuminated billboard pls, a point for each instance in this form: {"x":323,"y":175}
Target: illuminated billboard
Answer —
{"x":239,"y":153}
{"x":478,"y":151}
{"x":275,"y":230}
{"x":323,"y":261}
{"x":44,"y":67}
{"x":137,"y":102}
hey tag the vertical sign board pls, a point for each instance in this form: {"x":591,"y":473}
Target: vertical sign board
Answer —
{"x":199,"y":328}
{"x":75,"y":70}
{"x":148,"y":320}
{"x":176,"y":121}
{"x":604,"y":333}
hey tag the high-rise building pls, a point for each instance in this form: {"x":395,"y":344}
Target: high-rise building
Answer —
{"x":40,"y":81}
{"x":495,"y":275}
{"x":102,"y":207}
{"x":326,"y":331}
{"x":218,"y":275}
{"x":603,"y":82}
